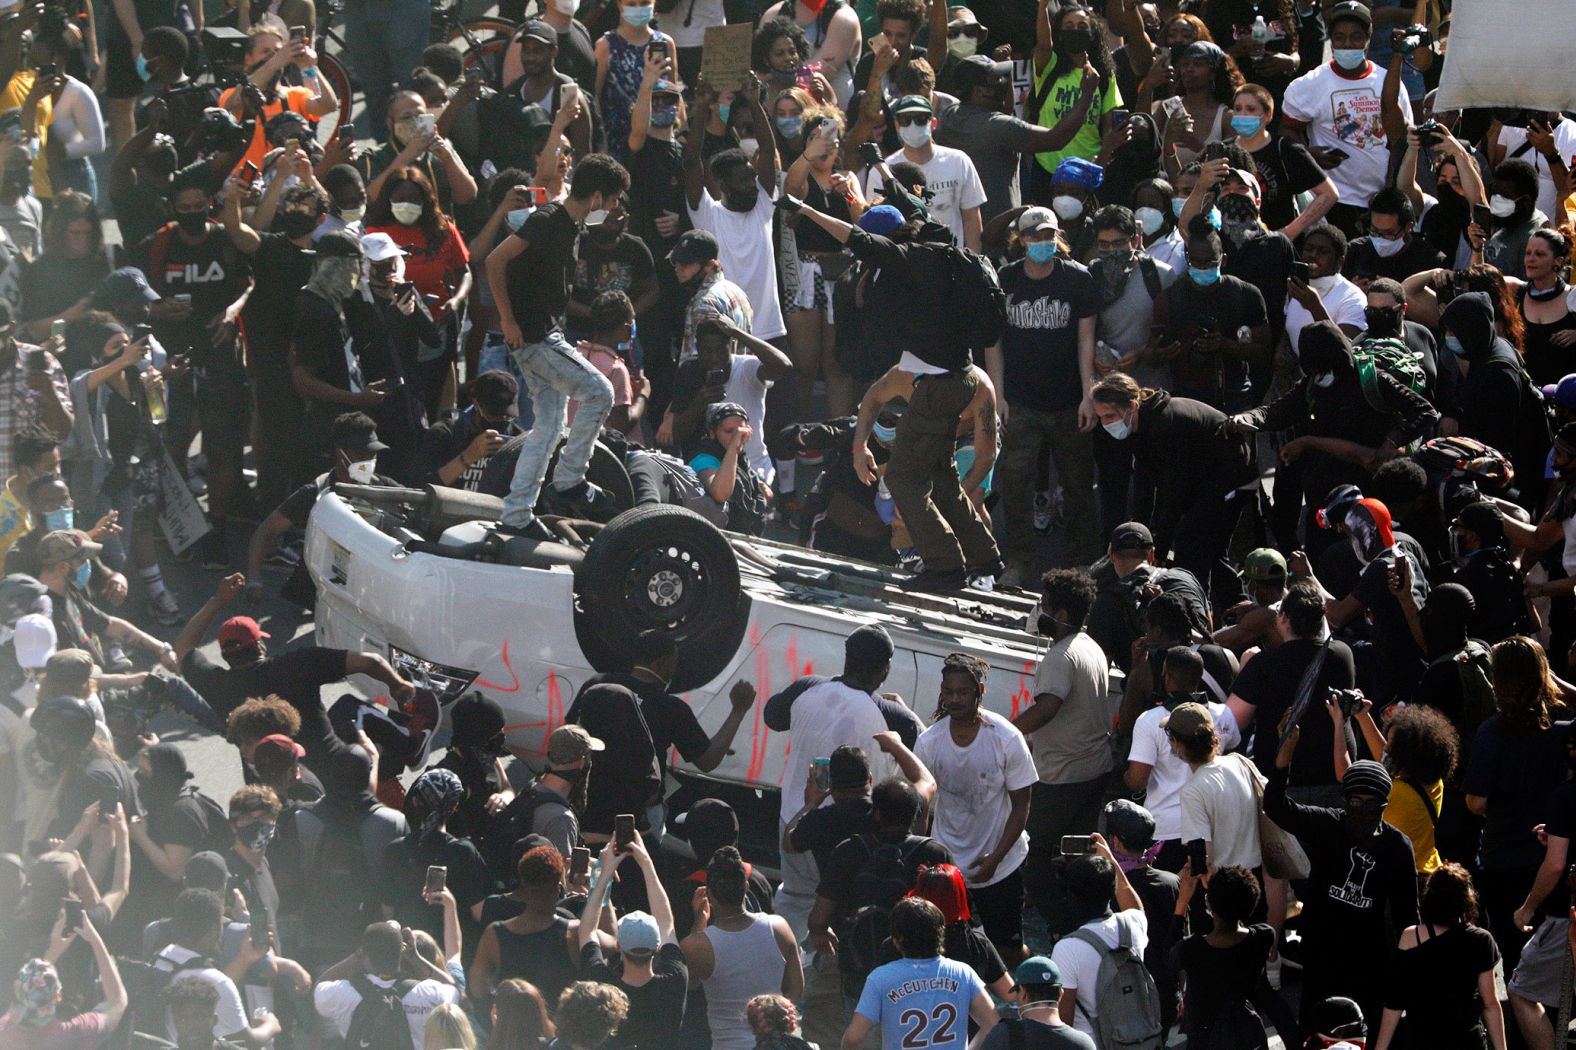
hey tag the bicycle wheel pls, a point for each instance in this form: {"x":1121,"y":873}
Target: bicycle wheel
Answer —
{"x":338,"y":78}
{"x":483,"y":43}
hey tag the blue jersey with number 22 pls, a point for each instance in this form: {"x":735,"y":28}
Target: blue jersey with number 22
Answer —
{"x":921,"y":1003}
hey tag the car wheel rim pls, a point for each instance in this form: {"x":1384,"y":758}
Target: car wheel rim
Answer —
{"x":666,"y":585}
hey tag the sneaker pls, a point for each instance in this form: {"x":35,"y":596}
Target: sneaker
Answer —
{"x":287,"y":556}
{"x":586,"y":500}
{"x":982,"y":582}
{"x":993,"y":568}
{"x":937,"y":581}
{"x":1044,"y":508}
{"x":212,"y":550}
{"x":163,"y":607}
{"x":531,"y":530}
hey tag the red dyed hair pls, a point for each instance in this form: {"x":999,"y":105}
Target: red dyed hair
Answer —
{"x":943,"y":886}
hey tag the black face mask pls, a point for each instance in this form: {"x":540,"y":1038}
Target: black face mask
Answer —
{"x":295,"y":224}
{"x":192,"y":223}
{"x":1074,"y":41}
{"x":1383,"y":320}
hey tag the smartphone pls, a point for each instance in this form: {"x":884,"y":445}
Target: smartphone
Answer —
{"x":1076,"y":845}
{"x":1120,"y":117}
{"x":579,"y":862}
{"x":259,"y":932}
{"x":47,"y":70}
{"x":716,"y":377}
{"x":623,"y":830}
{"x":250,"y":172}
{"x":347,"y":131}
{"x":297,"y":33}
{"x":437,"y":878}
{"x":184,"y":298}
{"x":142,"y":331}
{"x":536,"y":195}
{"x":108,"y":800}
{"x":1198,"y":857}
{"x":1483,"y":217}
{"x":57,"y":328}
{"x":1301,"y":271}
{"x":74,"y":913}
{"x":821,"y":773}
{"x":426,"y":123}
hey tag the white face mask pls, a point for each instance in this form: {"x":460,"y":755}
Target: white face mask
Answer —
{"x":361,"y":471}
{"x":596,"y":217}
{"x":749,"y":146}
{"x":566,"y":7}
{"x":1387,"y":246}
{"x":1119,"y":429}
{"x":1501,"y":207}
{"x":1067,"y":207}
{"x":1322,"y":284}
{"x":962,"y":46}
{"x":1150,"y":220}
{"x":914,"y":135}
{"x":406,"y":213}
{"x":350,"y":215}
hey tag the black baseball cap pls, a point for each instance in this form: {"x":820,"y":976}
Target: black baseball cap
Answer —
{"x":1350,"y":10}
{"x":338,"y":244}
{"x":125,"y":285}
{"x":495,"y":393}
{"x":537,"y":29}
{"x":696,"y":246}
{"x":1132,"y":536}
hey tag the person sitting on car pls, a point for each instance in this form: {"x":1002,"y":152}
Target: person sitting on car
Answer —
{"x":458,"y":452}
{"x":354,"y":438}
{"x":842,"y":514}
{"x":724,"y":468}
{"x":718,"y":372}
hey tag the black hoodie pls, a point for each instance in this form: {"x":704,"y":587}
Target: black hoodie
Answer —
{"x":1497,"y":404}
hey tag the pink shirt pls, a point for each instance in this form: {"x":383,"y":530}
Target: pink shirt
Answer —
{"x":83,"y":1032}
{"x":610,"y":364}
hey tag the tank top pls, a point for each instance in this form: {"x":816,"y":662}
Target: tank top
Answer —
{"x":746,"y":964}
{"x":540,"y":958}
{"x":809,"y":237}
{"x":1546,"y":363}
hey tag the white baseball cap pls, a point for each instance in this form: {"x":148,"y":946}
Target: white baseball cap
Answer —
{"x":380,"y":247}
{"x":35,"y":641}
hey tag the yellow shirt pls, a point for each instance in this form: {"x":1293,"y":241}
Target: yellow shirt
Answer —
{"x":14,"y":96}
{"x":1408,"y":815}
{"x":14,"y":522}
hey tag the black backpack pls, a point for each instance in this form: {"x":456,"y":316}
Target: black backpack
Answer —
{"x":337,"y":909}
{"x":511,"y":825}
{"x":882,"y":881}
{"x":379,"y":1021}
{"x":218,"y":821}
{"x":976,"y":304}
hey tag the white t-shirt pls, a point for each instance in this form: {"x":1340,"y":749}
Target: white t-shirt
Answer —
{"x":746,"y":388}
{"x":1564,"y":142}
{"x":1080,"y":963}
{"x":950,"y":175}
{"x":1163,"y":796}
{"x":1342,"y":300}
{"x":1343,"y":113}
{"x":336,"y":1001}
{"x":1075,"y":746}
{"x":745,"y":242}
{"x":972,"y":804}
{"x":231,"y":1015}
{"x":1171,"y":250}
{"x":1219,"y":805}
{"x":825,"y":717}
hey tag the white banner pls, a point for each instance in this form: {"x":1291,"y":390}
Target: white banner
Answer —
{"x":181,"y":517}
{"x":1509,"y":53}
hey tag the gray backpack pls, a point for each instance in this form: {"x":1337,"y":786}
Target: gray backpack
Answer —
{"x":1129,"y":1017}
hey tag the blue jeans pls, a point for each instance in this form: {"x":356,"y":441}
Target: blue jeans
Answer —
{"x":556,"y":374}
{"x":384,"y":40}
{"x":495,"y":357}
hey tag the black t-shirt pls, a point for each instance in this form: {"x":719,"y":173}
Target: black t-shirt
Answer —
{"x":577,"y":57}
{"x":1398,"y":655}
{"x":78,"y":623}
{"x":1415,"y":257}
{"x":619,"y":266}
{"x":1285,"y":169}
{"x":672,"y":722}
{"x":1040,"y":343}
{"x":139,"y":209}
{"x":656,"y":185}
{"x":102,"y":773}
{"x":1264,"y":261}
{"x":255,"y":884}
{"x":404,"y":876}
{"x":1436,"y":983}
{"x":279,"y":271}
{"x":656,"y":1008}
{"x":1269,"y":683}
{"x":1223,"y":308}
{"x":538,"y":278}
{"x":208,"y":271}
{"x":298,"y":676}
{"x":1561,"y":823}
{"x":822,"y":830}
{"x":1216,"y":975}
{"x":838,"y":877}
{"x":322,"y":345}
{"x":1517,"y":772}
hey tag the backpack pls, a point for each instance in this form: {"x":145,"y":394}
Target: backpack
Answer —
{"x":145,"y":983}
{"x":511,"y":825}
{"x":379,"y":1020}
{"x":1238,"y":1026}
{"x":334,"y":913}
{"x":1129,"y":1017}
{"x":856,"y":347}
{"x":977,"y":306}
{"x":882,"y":881}
{"x":1474,"y":666}
{"x":218,"y":821}
{"x":1390,"y":355}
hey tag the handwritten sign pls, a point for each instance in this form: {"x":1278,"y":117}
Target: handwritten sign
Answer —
{"x":725,"y":56}
{"x":181,"y":517}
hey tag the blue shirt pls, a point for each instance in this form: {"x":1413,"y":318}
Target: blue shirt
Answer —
{"x":921,"y":1002}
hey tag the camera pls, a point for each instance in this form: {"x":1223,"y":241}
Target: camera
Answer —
{"x":1428,"y":133}
{"x":1348,"y":699}
{"x":219,"y":132}
{"x":1414,"y":38}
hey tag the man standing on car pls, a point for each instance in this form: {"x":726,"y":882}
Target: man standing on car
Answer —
{"x":529,"y":274}
{"x":827,"y":714}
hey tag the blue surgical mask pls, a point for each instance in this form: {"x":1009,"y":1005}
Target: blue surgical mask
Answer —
{"x":638,"y":16}
{"x":1040,"y":251}
{"x":142,"y":68}
{"x":664,"y":116}
{"x":1454,"y":345}
{"x":83,"y":574}
{"x":723,"y":109}
{"x":1349,"y":58}
{"x":1203,"y":276}
{"x":885,"y":435}
{"x":1246,"y":126}
{"x":789,"y":127}
{"x":1324,"y":380}
{"x":55,"y":520}
{"x":1176,"y":206}
{"x":1119,"y":429}
{"x":516,"y":217}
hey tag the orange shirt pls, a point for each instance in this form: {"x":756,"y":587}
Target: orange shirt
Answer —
{"x":295,"y":98}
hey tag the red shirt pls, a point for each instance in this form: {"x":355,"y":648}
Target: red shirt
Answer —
{"x":429,"y":264}
{"x":83,"y":1032}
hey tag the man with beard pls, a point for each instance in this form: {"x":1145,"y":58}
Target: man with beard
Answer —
{"x":1361,"y":890}
{"x":414,"y":142}
{"x":552,"y":805}
{"x":985,"y":775}
{"x":610,"y":259}
{"x":518,"y":117}
{"x":267,"y":55}
{"x":995,"y":140}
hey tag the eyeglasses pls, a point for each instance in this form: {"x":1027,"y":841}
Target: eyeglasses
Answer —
{"x":977,"y":32}
{"x":912,"y":120}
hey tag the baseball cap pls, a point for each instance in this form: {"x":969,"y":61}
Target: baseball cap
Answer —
{"x":1187,"y":720}
{"x":380,"y":247}
{"x":1035,"y":219}
{"x":1132,"y":536}
{"x":1130,"y":822}
{"x":537,"y":29}
{"x":1037,"y":969}
{"x":69,"y":668}
{"x":667,"y":87}
{"x":35,"y":641}
{"x":338,"y":244}
{"x":240,"y":632}
{"x":276,"y":753}
{"x":570,"y":744}
{"x":1562,"y":393}
{"x":1349,"y":10}
{"x":125,"y":285}
{"x":495,"y":393}
{"x":1250,"y":180}
{"x":638,"y":932}
{"x":66,"y":545}
{"x":696,"y":246}
{"x":206,"y":871}
{"x":912,"y":104}
{"x":977,"y":68}
{"x":869,"y":643}
{"x":364,"y":442}
{"x":1264,"y":564}
{"x":880,"y":220}
{"x":1482,"y":518}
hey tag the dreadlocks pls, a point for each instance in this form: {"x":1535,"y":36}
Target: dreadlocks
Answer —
{"x":975,"y":669}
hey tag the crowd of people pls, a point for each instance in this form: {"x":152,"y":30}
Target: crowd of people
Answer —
{"x":1196,"y":320}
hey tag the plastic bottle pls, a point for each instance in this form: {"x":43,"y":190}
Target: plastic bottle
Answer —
{"x":1261,"y":35}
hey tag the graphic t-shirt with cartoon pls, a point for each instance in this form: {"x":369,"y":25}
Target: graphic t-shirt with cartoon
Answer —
{"x":1343,"y":112}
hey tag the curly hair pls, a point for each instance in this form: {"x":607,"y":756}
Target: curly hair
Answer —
{"x":1449,"y":899}
{"x":1069,"y":589}
{"x":541,"y":866}
{"x":590,"y":1012}
{"x":1422,"y":743}
{"x":1099,"y":54}
{"x":262,"y":716}
{"x":192,"y":992}
{"x":1232,"y":893}
{"x":910,"y":11}
{"x":766,"y":38}
{"x":771,"y":1016}
{"x":254,"y":798}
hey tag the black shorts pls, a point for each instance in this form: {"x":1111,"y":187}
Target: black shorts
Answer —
{"x":120,"y":65}
{"x":999,"y":908}
{"x":223,"y":400}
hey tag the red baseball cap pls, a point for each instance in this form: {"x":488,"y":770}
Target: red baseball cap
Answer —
{"x":275,"y":753}
{"x":239,"y":632}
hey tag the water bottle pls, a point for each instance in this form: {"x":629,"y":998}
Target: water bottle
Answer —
{"x":1261,"y":35}
{"x":1244,"y":335}
{"x":153,"y":385}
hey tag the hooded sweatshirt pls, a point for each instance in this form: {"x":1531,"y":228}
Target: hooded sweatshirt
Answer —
{"x":1495,"y":399}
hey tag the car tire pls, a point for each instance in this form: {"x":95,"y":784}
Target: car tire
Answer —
{"x":606,"y":471}
{"x":661,"y":567}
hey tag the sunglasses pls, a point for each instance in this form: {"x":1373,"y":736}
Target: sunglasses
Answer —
{"x":912,"y":120}
{"x":977,"y":32}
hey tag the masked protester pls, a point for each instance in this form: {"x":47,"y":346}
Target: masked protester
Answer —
{"x":553,"y":804}
{"x":1512,"y":203}
{"x":406,"y":885}
{"x":1073,"y":70}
